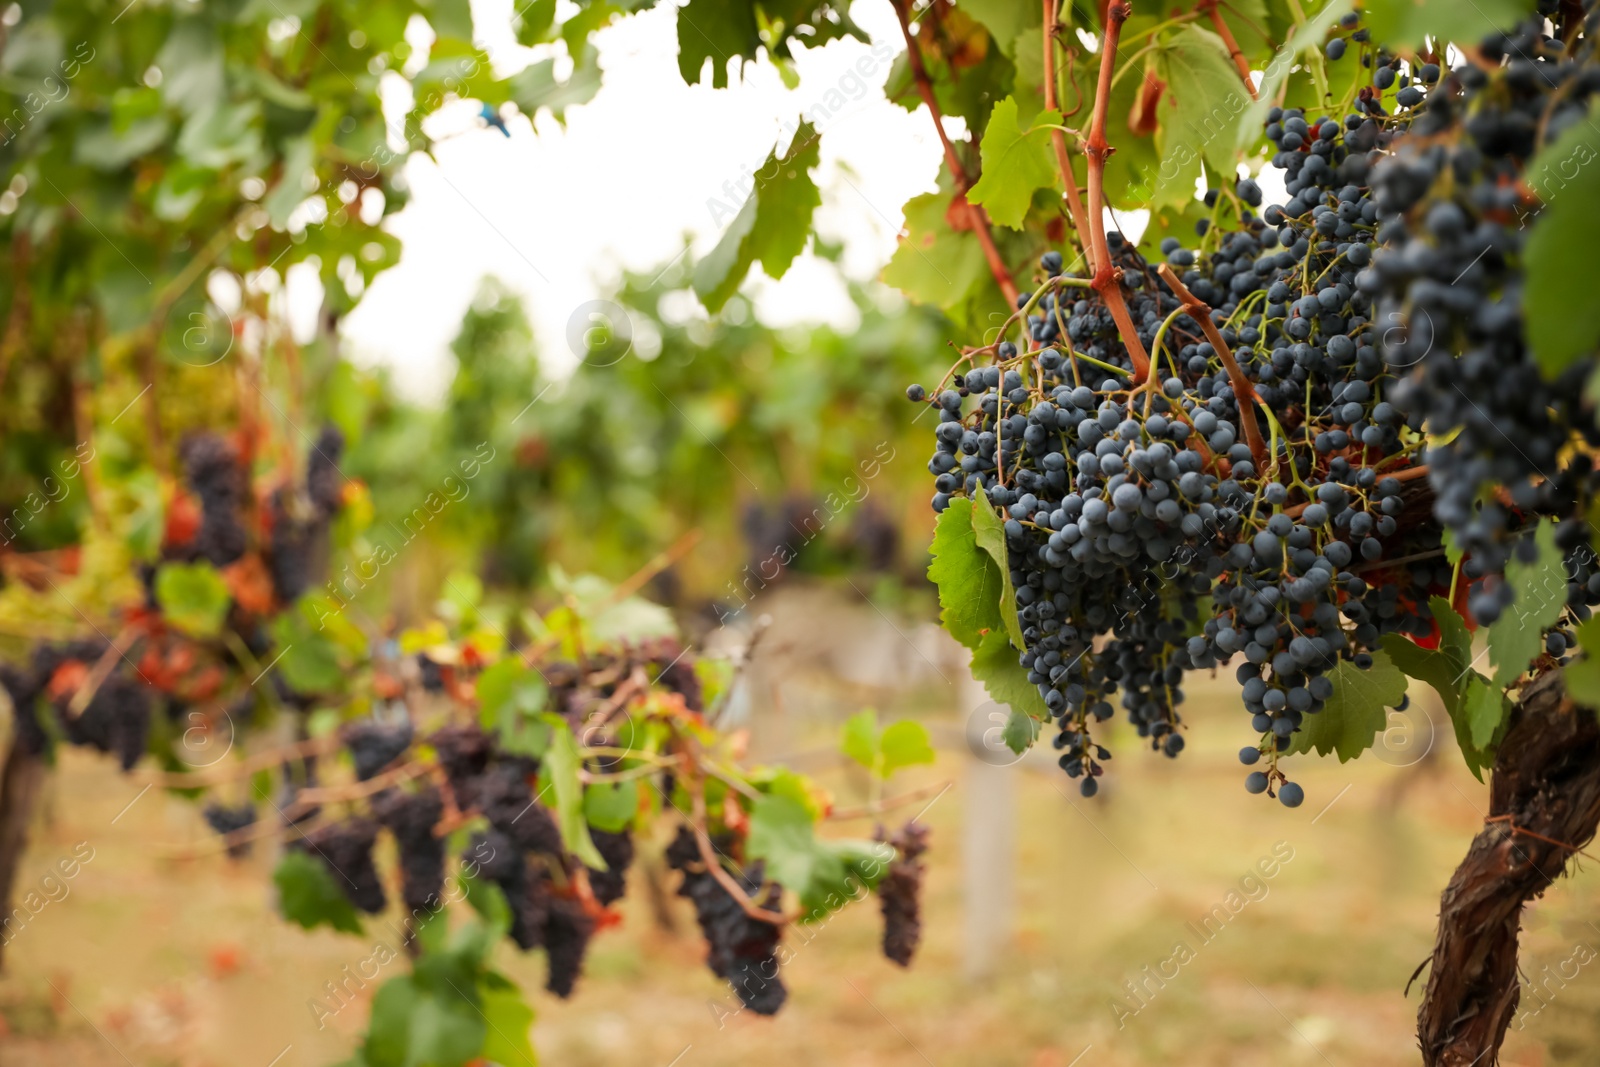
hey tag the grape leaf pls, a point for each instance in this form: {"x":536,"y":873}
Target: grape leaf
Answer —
{"x":1485,"y":709}
{"x":1517,"y":636}
{"x":1563,"y":321}
{"x":967,"y":580}
{"x":1020,"y":731}
{"x":772,"y":226}
{"x":716,"y":30}
{"x":417,"y":1022}
{"x":902,"y":744}
{"x":1356,"y":712}
{"x":781,"y":832}
{"x":1305,"y":37}
{"x":611,"y":806}
{"x":860,"y":866}
{"x":1402,"y":22}
{"x":309,"y":896}
{"x":193,"y":597}
{"x":994,"y":663}
{"x":1203,"y":99}
{"x":1005,"y":19}
{"x":859,"y":738}
{"x":1582,"y":676}
{"x":1449,"y":670}
{"x":510,"y":697}
{"x":561,"y":767}
{"x":1015,"y":163}
{"x":935,"y":264}
{"x":990,"y":531}
{"x":508,"y":1018}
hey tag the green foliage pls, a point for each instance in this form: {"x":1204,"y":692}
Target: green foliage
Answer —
{"x":1563,"y":322}
{"x":1582,"y":675}
{"x":1449,"y":669}
{"x":883,"y":752}
{"x":990,"y":532}
{"x":772,"y":227}
{"x":193,"y":597}
{"x":1466,"y":21}
{"x":611,"y":806}
{"x":511,"y":696}
{"x":1016,"y":162}
{"x":559,"y":774}
{"x":1020,"y":731}
{"x":1517,"y":636}
{"x":1356,"y":712}
{"x":1197,"y":111}
{"x":308,"y":895}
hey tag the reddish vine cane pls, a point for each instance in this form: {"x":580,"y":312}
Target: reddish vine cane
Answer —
{"x":1107,"y":278}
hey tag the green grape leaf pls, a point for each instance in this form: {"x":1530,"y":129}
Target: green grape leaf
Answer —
{"x":417,"y":1023}
{"x":1356,"y":712}
{"x":1403,"y":22}
{"x":782,"y":833}
{"x":309,"y":895}
{"x":994,"y":663}
{"x":560,"y":766}
{"x":903,"y":744}
{"x":1449,"y":669}
{"x":1563,"y":321}
{"x":509,"y":1018}
{"x":990,"y":531}
{"x":1485,"y":708}
{"x":1020,"y":731}
{"x":773,"y":225}
{"x":1517,"y":636}
{"x":1582,"y":676}
{"x":1196,"y":114}
{"x":937,"y":265}
{"x":536,"y":86}
{"x":715,"y":30}
{"x":1015,"y":163}
{"x":858,"y":739}
{"x":853,"y":868}
{"x":967,"y":579}
{"x":511,"y":696}
{"x":611,"y":806}
{"x":193,"y":597}
{"x":1312,"y":34}
{"x":450,"y":18}
{"x":1005,"y":20}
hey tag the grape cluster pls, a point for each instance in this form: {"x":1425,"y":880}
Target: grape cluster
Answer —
{"x":345,"y":848}
{"x":616,"y":848}
{"x":228,"y":819}
{"x":298,"y":524}
{"x":1279,"y":486}
{"x":411,"y":818}
{"x":568,"y":928}
{"x":374,"y":745}
{"x":116,"y":720}
{"x":900,"y":892}
{"x":215,"y":474}
{"x":1447,"y":275}
{"x":741,"y":949}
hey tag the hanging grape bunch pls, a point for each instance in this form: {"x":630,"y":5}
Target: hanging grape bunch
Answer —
{"x":1280,"y":456}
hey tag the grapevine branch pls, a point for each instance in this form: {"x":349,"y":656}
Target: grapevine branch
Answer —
{"x":977,"y":218}
{"x":708,"y":856}
{"x":1545,"y":792}
{"x":1107,"y":279}
{"x":1210,"y":8}
{"x":1058,"y":139}
{"x":1243,"y":391}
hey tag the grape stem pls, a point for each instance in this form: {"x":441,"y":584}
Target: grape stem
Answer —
{"x":1243,"y":391}
{"x":1107,"y":278}
{"x":1058,"y":140}
{"x":713,"y":864}
{"x":869,"y":811}
{"x":1221,"y":25}
{"x":976,"y":217}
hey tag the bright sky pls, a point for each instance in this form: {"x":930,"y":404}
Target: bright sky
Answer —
{"x":555,"y":213}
